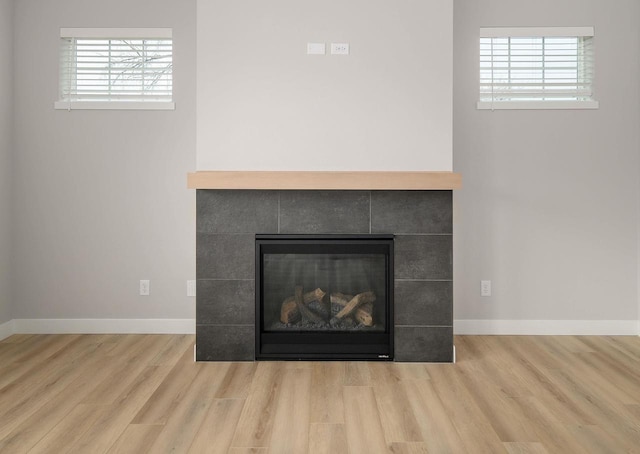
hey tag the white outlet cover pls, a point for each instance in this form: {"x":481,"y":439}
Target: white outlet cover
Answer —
{"x":191,"y":288}
{"x":485,"y":288}
{"x":339,"y":48}
{"x":316,"y":49}
{"x":144,"y":287}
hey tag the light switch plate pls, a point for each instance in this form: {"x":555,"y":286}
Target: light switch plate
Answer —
{"x":316,"y":49}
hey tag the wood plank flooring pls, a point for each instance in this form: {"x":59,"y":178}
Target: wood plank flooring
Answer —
{"x":144,"y":393}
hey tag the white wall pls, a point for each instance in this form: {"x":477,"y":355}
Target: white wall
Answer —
{"x":101,"y":199}
{"x":6,"y":123}
{"x":549,"y":208}
{"x":263,"y":104}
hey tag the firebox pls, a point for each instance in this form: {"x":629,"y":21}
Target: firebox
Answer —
{"x":324,"y":297}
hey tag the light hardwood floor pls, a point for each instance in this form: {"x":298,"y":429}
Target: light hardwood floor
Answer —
{"x":144,"y":393}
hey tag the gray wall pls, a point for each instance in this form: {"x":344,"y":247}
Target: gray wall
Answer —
{"x":549,"y":208}
{"x":101,"y":195}
{"x":6,"y":108}
{"x":548,"y":211}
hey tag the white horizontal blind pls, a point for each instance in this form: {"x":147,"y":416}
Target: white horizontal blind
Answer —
{"x":103,"y":68}
{"x":524,"y":65}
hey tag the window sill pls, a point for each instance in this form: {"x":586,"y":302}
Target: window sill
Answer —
{"x":114,"y":105}
{"x":536,"y":105}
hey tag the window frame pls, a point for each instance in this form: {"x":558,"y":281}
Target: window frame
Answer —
{"x":534,"y":32}
{"x":108,"y":104}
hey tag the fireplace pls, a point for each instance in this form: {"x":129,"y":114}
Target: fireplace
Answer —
{"x":324,"y":297}
{"x":422,"y":276}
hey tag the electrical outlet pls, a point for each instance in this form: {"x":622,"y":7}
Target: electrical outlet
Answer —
{"x":339,"y":48}
{"x":191,"y":288}
{"x":485,"y":288}
{"x":144,"y":287}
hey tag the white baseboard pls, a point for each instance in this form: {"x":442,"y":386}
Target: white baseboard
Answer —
{"x":104,"y":326}
{"x":548,"y":327}
{"x":6,"y":329}
{"x":188,"y":326}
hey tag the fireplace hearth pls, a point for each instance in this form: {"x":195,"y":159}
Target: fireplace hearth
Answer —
{"x":324,"y":297}
{"x":420,"y":318}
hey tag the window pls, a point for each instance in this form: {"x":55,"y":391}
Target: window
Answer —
{"x":107,"y":68}
{"x":536,"y":68}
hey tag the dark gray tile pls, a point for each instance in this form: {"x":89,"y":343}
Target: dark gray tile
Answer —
{"x":423,"y":257}
{"x":225,"y":343}
{"x":225,"y":302}
{"x":411,"y":212}
{"x":237,"y":211}
{"x":324,"y":212}
{"x":423,"y":303}
{"x":423,"y":344}
{"x":222,"y":256}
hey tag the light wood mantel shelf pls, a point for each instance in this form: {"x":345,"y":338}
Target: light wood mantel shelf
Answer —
{"x":328,"y":180}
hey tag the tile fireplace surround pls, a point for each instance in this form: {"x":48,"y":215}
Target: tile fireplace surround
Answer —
{"x":228,"y":219}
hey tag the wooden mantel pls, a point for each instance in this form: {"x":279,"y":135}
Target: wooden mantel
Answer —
{"x":328,"y":180}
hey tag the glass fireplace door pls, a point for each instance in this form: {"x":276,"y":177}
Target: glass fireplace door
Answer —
{"x":324,"y":297}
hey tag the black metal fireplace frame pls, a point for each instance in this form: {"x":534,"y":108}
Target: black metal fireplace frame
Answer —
{"x":324,"y":345}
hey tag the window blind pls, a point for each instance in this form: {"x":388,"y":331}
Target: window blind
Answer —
{"x":112,"y":65}
{"x":536,"y":64}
